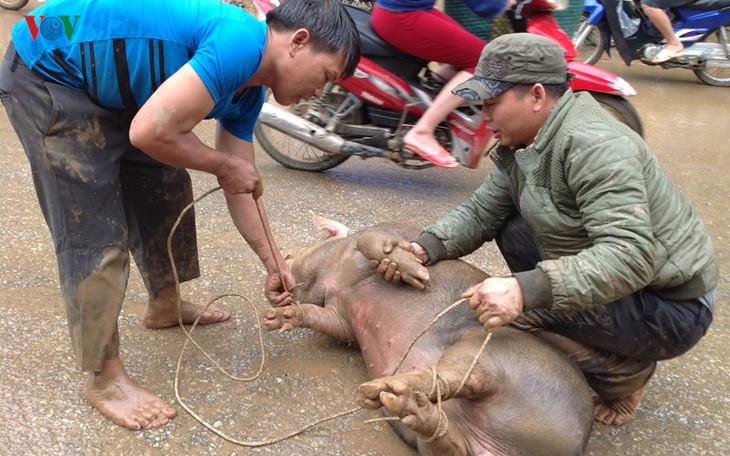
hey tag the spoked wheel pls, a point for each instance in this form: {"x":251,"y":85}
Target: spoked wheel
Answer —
{"x":292,"y":152}
{"x":620,"y":109}
{"x":588,"y":41}
{"x":13,"y":4}
{"x":717,"y":69}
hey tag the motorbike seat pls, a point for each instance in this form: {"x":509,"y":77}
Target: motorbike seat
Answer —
{"x":707,"y":5}
{"x":390,"y":58}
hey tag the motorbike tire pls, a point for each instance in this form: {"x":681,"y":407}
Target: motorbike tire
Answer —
{"x":13,"y":4}
{"x":620,"y":109}
{"x":589,"y":42}
{"x":291,"y":152}
{"x":719,"y":77}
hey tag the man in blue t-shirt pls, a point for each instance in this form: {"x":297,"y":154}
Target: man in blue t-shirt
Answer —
{"x":104,"y":96}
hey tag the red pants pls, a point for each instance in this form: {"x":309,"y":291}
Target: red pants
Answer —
{"x":429,"y":35}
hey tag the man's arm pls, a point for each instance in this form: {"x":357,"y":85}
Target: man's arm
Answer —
{"x":163,"y":129}
{"x":254,"y":226}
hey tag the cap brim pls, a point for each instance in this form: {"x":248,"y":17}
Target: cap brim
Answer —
{"x":477,"y":89}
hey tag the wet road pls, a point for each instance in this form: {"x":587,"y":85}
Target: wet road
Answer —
{"x":307,"y":376}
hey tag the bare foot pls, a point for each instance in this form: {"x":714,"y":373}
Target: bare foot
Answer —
{"x":120,"y":399}
{"x":162,"y":313}
{"x":619,"y":411}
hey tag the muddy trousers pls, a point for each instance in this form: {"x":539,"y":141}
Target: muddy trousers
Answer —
{"x":616,"y":345}
{"x":101,"y":199}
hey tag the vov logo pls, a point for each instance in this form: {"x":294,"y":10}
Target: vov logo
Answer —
{"x":51,"y":27}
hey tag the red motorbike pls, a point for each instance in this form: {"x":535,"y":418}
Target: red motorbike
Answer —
{"x":369,"y":113}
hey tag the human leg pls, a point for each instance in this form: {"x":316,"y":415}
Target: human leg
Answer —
{"x":661,"y":22}
{"x":72,"y":147}
{"x":617,"y":345}
{"x":154,"y":197}
{"x":429,"y":35}
{"x":421,"y":140}
{"x":433,"y":36}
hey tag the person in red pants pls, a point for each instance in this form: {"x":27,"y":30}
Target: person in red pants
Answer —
{"x":419,"y":29}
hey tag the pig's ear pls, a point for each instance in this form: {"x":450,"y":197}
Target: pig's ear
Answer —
{"x":335,"y":229}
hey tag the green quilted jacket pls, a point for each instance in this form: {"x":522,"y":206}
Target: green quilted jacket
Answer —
{"x":608,"y":220}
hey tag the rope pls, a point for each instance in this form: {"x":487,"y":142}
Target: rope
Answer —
{"x":188,"y":334}
{"x":440,"y":430}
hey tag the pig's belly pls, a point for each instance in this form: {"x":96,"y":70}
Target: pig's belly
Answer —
{"x":386,"y":339}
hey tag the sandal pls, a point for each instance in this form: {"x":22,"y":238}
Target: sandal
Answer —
{"x":665,"y":55}
{"x":441,"y":158}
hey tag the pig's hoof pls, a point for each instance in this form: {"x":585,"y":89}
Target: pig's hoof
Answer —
{"x":282,"y":318}
{"x":369,"y":392}
{"x":413,"y":408}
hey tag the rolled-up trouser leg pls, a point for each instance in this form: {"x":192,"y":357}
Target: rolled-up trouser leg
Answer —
{"x":76,"y":150}
{"x":154,"y":196}
{"x":73,"y":148}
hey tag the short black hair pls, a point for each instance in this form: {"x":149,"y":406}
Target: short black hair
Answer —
{"x":330,"y":26}
{"x":556,"y":90}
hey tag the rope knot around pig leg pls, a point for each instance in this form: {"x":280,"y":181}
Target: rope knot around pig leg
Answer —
{"x":439,"y":386}
{"x":442,"y":427}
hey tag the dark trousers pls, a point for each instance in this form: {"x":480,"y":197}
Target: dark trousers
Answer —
{"x":615,"y":345}
{"x":101,"y":199}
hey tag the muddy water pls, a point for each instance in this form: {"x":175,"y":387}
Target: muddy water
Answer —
{"x":306,"y":376}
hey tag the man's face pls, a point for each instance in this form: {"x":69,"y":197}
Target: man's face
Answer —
{"x":512,"y":116}
{"x":306,"y":73}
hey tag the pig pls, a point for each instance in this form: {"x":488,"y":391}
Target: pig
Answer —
{"x":522,"y":397}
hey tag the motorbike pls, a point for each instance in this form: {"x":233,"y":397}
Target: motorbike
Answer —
{"x":368,"y":114}
{"x":702,"y":26}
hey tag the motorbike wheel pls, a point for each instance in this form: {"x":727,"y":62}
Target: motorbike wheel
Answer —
{"x":716,"y":76}
{"x":620,"y":109}
{"x":13,"y":4}
{"x":588,"y":41}
{"x":291,"y":152}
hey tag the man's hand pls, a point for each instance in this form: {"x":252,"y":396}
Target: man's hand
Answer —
{"x":496,"y":301}
{"x":240,"y":176}
{"x":387,"y":267}
{"x":275,"y":291}
{"x":393,"y":258}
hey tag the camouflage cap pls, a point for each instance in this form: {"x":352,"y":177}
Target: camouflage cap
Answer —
{"x":515,"y":58}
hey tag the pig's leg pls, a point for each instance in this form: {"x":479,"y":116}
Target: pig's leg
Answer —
{"x":437,"y":436}
{"x":448,"y":373}
{"x":413,"y":396}
{"x":374,"y":244}
{"x":321,"y":319}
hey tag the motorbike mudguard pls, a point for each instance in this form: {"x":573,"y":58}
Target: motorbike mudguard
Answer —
{"x":594,"y":79}
{"x":546,"y":25}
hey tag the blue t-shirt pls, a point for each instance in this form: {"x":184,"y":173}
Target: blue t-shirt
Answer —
{"x":120,"y":51}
